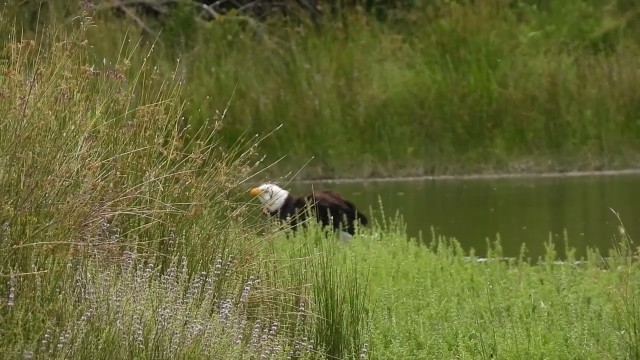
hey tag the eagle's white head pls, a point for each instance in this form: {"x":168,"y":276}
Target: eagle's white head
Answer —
{"x":271,"y":196}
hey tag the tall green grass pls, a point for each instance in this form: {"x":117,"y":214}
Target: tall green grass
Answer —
{"x":446,"y":88}
{"x":122,"y":234}
{"x":438,"y":301}
{"x":334,"y":297}
{"x":438,"y":87}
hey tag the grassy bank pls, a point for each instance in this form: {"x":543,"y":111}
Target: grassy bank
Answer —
{"x":435,"y":302}
{"x":469,"y":88}
{"x":442,"y":88}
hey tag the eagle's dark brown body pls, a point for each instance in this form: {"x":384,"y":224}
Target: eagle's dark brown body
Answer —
{"x":329,"y":208}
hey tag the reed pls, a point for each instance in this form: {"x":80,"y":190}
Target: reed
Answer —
{"x":121,"y":234}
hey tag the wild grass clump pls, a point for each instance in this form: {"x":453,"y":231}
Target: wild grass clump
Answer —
{"x":134,"y":310}
{"x":123,"y":233}
{"x":335,"y":298}
{"x":94,"y":160}
{"x":625,"y":292}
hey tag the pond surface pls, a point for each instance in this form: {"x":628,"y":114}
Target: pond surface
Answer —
{"x":520,"y":210}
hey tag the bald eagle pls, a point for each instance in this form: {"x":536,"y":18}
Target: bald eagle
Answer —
{"x":328,"y":207}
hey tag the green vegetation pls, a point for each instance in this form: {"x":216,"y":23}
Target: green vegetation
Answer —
{"x":121,"y":237}
{"x":437,"y":303}
{"x":126,"y":234}
{"x":442,"y":87}
{"x":447,"y":88}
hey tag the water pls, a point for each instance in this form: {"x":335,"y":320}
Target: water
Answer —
{"x":520,"y":210}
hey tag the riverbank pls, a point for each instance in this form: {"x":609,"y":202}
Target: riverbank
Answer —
{"x":523,"y":175}
{"x":457,"y":167}
{"x":448,"y":89}
{"x":436,"y":89}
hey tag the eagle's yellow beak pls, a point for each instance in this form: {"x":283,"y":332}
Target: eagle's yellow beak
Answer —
{"x":255,"y":192}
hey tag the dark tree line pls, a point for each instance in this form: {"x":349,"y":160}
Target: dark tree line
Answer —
{"x":211,"y":9}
